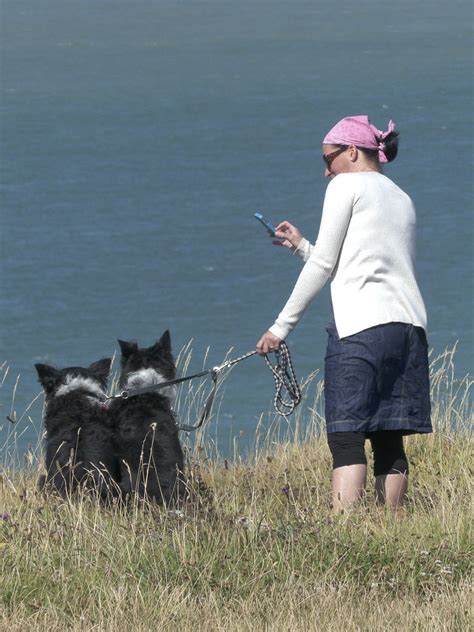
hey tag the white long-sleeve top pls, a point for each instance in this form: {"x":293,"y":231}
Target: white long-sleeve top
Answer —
{"x":366,"y":245}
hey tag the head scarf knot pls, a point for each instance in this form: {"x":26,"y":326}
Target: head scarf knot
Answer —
{"x":359,"y":131}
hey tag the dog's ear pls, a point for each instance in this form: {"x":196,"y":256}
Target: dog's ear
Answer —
{"x":101,"y":368}
{"x":127,"y":348}
{"x":49,"y":377}
{"x":164,"y":344}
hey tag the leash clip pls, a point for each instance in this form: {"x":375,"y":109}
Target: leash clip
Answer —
{"x":121,"y":395}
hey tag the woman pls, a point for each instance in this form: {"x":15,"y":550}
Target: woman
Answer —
{"x":376,"y":365}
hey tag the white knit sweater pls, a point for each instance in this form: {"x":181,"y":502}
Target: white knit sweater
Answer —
{"x":366,"y":245}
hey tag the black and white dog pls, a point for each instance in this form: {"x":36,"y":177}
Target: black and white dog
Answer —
{"x":151,"y":457}
{"x":79,"y":440}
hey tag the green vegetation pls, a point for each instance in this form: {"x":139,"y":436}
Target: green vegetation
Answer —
{"x":254,"y":547}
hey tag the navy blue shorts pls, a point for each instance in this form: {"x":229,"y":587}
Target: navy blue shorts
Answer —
{"x":378,"y":379}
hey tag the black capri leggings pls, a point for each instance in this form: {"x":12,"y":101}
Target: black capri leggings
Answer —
{"x":347,"y":448}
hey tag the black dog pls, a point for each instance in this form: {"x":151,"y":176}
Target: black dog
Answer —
{"x":79,"y":439}
{"x":146,"y":433}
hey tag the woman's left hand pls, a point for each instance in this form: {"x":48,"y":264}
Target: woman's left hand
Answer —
{"x":268,"y":343}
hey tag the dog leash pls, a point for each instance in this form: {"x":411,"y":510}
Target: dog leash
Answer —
{"x":285,"y":379}
{"x":283,"y":375}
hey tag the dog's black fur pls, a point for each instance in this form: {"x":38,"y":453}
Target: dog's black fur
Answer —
{"x":79,"y":439}
{"x":151,"y":457}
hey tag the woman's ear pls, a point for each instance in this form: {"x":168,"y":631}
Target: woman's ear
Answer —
{"x":353,"y":153}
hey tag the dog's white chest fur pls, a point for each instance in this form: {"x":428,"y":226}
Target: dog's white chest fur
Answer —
{"x":150,"y":377}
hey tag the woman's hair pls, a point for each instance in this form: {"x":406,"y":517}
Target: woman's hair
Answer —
{"x":390,"y":150}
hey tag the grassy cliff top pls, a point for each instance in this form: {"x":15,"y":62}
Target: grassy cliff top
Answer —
{"x":254,"y":547}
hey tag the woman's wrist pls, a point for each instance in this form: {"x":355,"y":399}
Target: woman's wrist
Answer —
{"x":302,"y":248}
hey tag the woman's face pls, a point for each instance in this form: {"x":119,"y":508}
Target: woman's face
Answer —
{"x":336,"y":159}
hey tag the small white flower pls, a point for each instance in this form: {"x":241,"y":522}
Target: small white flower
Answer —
{"x":176,"y":512}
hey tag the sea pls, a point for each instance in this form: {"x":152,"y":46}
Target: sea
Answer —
{"x":138,"y":139}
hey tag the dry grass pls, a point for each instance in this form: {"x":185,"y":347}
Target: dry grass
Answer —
{"x":254,"y":547}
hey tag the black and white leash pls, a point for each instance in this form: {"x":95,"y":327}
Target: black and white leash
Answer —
{"x":283,"y":374}
{"x":285,"y":379}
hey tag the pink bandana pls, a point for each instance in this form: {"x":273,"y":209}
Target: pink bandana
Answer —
{"x":359,"y":131}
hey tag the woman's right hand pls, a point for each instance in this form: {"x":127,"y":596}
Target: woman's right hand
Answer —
{"x":289,"y":235}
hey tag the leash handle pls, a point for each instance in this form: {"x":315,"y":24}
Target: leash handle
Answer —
{"x":285,"y":378}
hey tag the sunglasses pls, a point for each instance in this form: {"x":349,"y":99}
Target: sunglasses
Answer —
{"x":329,"y":158}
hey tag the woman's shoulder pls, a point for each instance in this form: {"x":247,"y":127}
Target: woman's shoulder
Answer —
{"x":366,"y":187}
{"x":365,"y":181}
{"x":355,"y":179}
{"x":355,"y":182}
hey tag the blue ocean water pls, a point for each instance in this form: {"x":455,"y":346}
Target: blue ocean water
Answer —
{"x":139,"y":137}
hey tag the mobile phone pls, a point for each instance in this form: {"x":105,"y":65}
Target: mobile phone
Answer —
{"x":270,"y":228}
